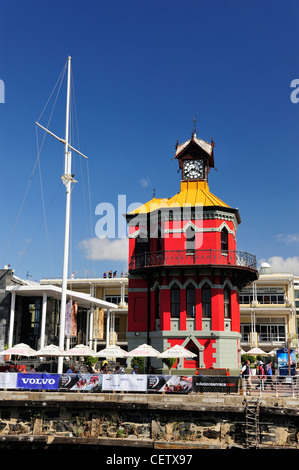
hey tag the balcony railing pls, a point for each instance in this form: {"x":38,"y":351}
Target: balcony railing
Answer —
{"x":192,"y":257}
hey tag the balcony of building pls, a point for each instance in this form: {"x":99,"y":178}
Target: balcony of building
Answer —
{"x":173,"y":258}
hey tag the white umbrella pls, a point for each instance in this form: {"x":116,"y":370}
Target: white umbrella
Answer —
{"x":20,"y":349}
{"x":273,"y":352}
{"x":80,"y":350}
{"x":144,"y":350}
{"x":257,"y":352}
{"x":177,"y":351}
{"x":112,"y":351}
{"x":51,"y":351}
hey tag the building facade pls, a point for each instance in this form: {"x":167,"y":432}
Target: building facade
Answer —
{"x":268,"y":311}
{"x":110,"y":327}
{"x":185,"y":272}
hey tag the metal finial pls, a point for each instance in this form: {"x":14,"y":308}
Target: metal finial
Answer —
{"x":194,"y":125}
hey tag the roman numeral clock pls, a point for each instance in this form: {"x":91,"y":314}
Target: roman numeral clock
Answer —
{"x":193,"y":169}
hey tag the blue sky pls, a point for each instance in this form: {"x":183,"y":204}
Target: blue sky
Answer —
{"x":141,"y":71}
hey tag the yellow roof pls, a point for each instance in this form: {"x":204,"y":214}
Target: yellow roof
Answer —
{"x":192,"y":192}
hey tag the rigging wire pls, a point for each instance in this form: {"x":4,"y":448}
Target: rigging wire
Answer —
{"x":36,"y":161}
{"x":39,"y":227}
{"x":82,"y":177}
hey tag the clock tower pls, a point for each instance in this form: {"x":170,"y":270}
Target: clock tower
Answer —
{"x":185,"y":272}
{"x":195,"y":157}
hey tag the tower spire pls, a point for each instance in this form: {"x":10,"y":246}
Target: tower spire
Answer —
{"x":194,"y":126}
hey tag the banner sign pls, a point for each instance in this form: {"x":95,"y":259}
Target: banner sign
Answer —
{"x":215,"y":384}
{"x":124,"y":382}
{"x":74,"y":319}
{"x":98,"y":323}
{"x":119,"y":382}
{"x":38,"y":381}
{"x":169,"y":383}
{"x":283,"y":361}
{"x":89,"y":382}
{"x":68,"y":318}
{"x":8,"y":380}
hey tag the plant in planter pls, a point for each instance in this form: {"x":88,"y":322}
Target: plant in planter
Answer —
{"x":169,"y":362}
{"x":139,"y":362}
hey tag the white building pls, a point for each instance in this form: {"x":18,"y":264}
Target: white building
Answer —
{"x":268,"y":311}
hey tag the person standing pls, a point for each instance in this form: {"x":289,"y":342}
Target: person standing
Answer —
{"x":246,"y":376}
{"x":269,"y":375}
{"x":261,"y":374}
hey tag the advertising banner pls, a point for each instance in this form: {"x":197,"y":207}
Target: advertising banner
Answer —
{"x":283,"y":361}
{"x":8,"y":380}
{"x":203,"y":384}
{"x":98,"y":323}
{"x":68,"y":318}
{"x":74,"y":319}
{"x":88,"y":382}
{"x":38,"y":381}
{"x":124,"y":382}
{"x":169,"y":383}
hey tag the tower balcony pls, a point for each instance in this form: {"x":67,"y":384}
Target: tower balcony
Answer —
{"x":239,"y":260}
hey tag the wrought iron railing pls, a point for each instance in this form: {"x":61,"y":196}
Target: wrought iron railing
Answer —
{"x":192,"y":257}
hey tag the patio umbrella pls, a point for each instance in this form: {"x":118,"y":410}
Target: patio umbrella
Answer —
{"x":144,"y":350}
{"x":257,"y":352}
{"x":51,"y":351}
{"x":112,"y":351}
{"x":273,"y":352}
{"x":177,"y":351}
{"x":80,"y":350}
{"x":20,"y":349}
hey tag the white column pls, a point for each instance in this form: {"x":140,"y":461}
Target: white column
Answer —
{"x":87,"y":327}
{"x":108,"y":327}
{"x":112,"y":328}
{"x":91,"y":318}
{"x":122,"y":295}
{"x":43,"y":325}
{"x":12,"y":318}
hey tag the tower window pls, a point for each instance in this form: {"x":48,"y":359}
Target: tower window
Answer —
{"x":227,"y":303}
{"x":190,"y":301}
{"x":175,"y":301}
{"x":157,"y":303}
{"x":190,"y":240}
{"x":206,"y":301}
{"x":224,"y":240}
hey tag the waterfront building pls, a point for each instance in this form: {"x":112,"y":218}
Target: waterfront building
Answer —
{"x":185,"y":272}
{"x":268,"y":311}
{"x":112,"y":321}
{"x":32,"y":313}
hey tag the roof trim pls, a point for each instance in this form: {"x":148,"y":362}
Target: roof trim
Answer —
{"x":84,"y":300}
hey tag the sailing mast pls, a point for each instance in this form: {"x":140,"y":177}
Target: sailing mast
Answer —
{"x":67,"y":180}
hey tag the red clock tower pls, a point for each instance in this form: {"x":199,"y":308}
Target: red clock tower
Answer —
{"x":184,"y":270}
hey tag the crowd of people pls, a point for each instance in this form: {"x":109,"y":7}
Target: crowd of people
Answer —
{"x":109,"y":274}
{"x":263,"y":371}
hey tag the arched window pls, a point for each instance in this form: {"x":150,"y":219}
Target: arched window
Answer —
{"x":227,"y":304}
{"x":206,"y":301}
{"x":157,"y":303}
{"x":224,"y":239}
{"x":175,"y":301}
{"x":190,"y":240}
{"x":190,"y":301}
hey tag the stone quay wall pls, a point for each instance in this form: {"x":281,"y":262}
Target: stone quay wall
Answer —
{"x":211,"y":421}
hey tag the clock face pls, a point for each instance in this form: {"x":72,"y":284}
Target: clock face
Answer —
{"x":194,"y":169}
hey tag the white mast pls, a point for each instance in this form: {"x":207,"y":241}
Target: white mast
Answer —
{"x":67,"y":180}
